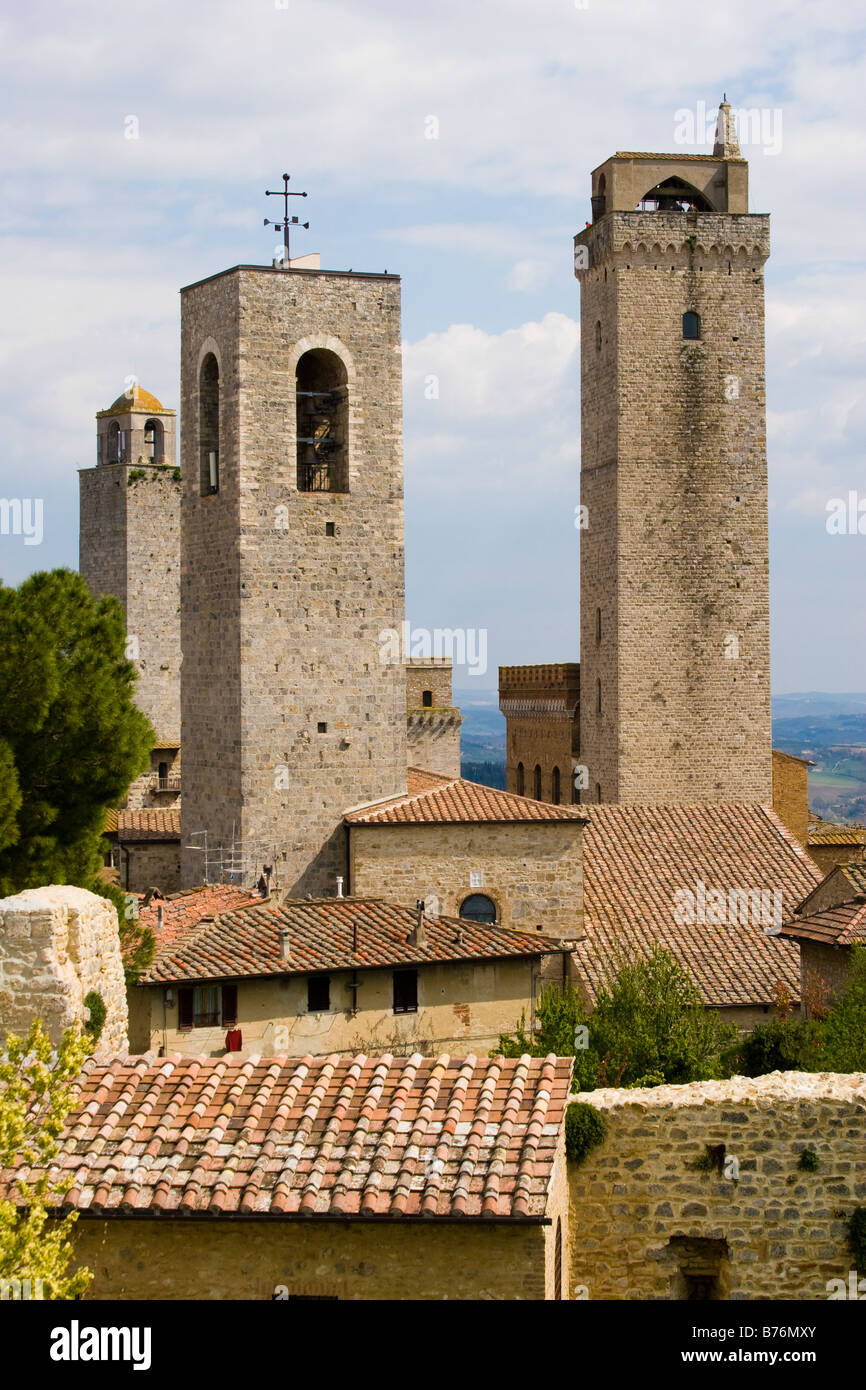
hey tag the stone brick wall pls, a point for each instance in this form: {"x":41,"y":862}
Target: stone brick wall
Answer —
{"x":541,"y":705}
{"x":532,"y":871}
{"x":56,"y":945}
{"x":673,"y":473}
{"x":130,"y":547}
{"x":644,"y":1220}
{"x":791,"y":794}
{"x":462,"y":1007}
{"x":829,"y":964}
{"x":393,"y":1260}
{"x":152,"y":864}
{"x":289,"y":715}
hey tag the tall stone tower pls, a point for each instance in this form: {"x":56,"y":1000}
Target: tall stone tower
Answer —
{"x":292,"y":568}
{"x":130,"y":544}
{"x":674,"y":586}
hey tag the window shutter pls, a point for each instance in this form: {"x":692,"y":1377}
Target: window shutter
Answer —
{"x":184,"y":1007}
{"x":230,"y":1004}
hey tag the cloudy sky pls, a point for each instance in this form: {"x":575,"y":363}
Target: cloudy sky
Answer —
{"x":450,"y":142}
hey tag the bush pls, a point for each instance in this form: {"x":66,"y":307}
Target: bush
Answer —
{"x":585,"y":1128}
{"x":808,"y":1161}
{"x":96,"y":1022}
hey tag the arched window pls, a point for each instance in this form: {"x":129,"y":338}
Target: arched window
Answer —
{"x":115,"y":453}
{"x":598,"y":792}
{"x":691,"y":325}
{"x":674,"y":195}
{"x":555,"y":791}
{"x":478,"y":908}
{"x":209,"y":425}
{"x":521,"y":780}
{"x":153,"y":440}
{"x":598,"y":697}
{"x":427,"y":699}
{"x":536,"y":783}
{"x":323,"y":422}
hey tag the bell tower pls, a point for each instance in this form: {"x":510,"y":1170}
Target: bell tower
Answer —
{"x":292,"y":567}
{"x":674,"y":569}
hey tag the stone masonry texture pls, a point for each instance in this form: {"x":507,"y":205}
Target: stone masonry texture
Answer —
{"x":643,"y":1215}
{"x":674,"y":559}
{"x":56,"y":945}
{"x":289,"y":714}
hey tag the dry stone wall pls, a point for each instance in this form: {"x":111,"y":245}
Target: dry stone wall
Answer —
{"x":700,"y":1190}
{"x":56,"y":945}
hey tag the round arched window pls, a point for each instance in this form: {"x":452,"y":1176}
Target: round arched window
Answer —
{"x":478,"y":908}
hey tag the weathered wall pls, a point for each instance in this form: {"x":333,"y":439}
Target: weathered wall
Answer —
{"x":638,"y":1204}
{"x":152,"y":864}
{"x":791,"y":794}
{"x":394,"y":1260}
{"x":461,"y":1007}
{"x":674,"y":477}
{"x":541,"y":705}
{"x":829,"y":963}
{"x":286,"y":592}
{"x":433,"y":740}
{"x":56,"y":945}
{"x":532,"y":871}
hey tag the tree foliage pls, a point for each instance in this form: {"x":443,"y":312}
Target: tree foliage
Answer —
{"x":71,"y":738}
{"x":649,"y":1026}
{"x":35,"y":1098}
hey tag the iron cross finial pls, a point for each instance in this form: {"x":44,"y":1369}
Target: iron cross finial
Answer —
{"x":287,"y":221}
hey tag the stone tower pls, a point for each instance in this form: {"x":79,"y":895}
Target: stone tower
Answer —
{"x":130,"y":544}
{"x":292,"y":568}
{"x":674,"y":589}
{"x":432,"y":719}
{"x":541,"y":705}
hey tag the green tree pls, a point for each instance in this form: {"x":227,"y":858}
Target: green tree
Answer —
{"x":648,"y":1026}
{"x":71,"y":738}
{"x":35,"y":1099}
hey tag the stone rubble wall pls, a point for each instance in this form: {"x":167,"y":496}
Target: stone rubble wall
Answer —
{"x":56,"y":945}
{"x":642,"y":1215}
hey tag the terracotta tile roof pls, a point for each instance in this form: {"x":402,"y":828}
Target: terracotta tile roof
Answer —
{"x":331,"y":934}
{"x":147,"y":824}
{"x":181,"y":911}
{"x":855,"y":874}
{"x":363,"y":1137}
{"x":455,"y":801}
{"x":835,"y":926}
{"x":136,"y":399}
{"x":822,"y":832}
{"x":637,"y":857}
{"x":419,"y":779}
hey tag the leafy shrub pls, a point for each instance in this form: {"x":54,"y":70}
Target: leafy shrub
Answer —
{"x":585,"y":1128}
{"x":808,"y":1161}
{"x":857,"y":1236}
{"x":96,"y":1004}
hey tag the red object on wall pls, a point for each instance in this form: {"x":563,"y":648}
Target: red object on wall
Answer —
{"x":234,"y":1040}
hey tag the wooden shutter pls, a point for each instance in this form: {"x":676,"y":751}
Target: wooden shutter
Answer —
{"x":184,"y":1007}
{"x":230,"y":1005}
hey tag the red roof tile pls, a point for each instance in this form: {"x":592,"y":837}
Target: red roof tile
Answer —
{"x":842,"y":925}
{"x":823,"y":833}
{"x":146,"y":824}
{"x":346,"y":1137}
{"x":331,"y":934}
{"x":637,"y":857}
{"x":186,"y":909}
{"x":450,"y":801}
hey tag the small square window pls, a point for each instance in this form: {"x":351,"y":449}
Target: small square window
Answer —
{"x":329,"y":528}
{"x":405,"y":991}
{"x":318,"y":994}
{"x":322,"y":726}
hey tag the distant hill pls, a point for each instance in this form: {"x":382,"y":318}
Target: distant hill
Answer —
{"x":828,"y":729}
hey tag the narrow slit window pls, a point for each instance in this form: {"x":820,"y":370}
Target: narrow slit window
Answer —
{"x":691,"y":325}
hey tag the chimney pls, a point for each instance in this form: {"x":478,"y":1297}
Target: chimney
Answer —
{"x":160,"y":917}
{"x":418,"y":936}
{"x":284,"y":943}
{"x":339,"y":885}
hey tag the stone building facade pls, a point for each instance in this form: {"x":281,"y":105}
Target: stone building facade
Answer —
{"x":791,"y":793}
{"x":541,"y":705}
{"x":700,"y":1191}
{"x":57,"y":944}
{"x":130,"y":547}
{"x":674,"y":641}
{"x":292,"y":565}
{"x":432,"y":720}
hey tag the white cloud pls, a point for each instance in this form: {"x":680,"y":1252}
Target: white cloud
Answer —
{"x":528,"y":275}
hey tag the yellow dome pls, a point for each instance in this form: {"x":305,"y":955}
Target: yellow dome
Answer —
{"x":136,"y":399}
